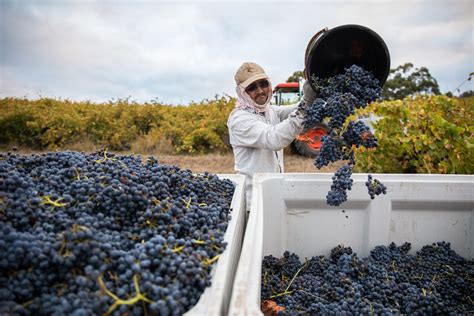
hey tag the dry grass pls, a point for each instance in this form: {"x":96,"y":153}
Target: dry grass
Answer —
{"x":295,"y":163}
{"x":151,"y":144}
{"x":85,"y":145}
{"x":214,"y":163}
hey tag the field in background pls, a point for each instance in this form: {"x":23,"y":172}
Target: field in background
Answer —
{"x":426,"y":134}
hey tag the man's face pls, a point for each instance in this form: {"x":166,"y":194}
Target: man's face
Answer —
{"x":259,"y":91}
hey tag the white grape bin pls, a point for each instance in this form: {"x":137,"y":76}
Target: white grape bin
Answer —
{"x":289,"y":212}
{"x":215,"y":298}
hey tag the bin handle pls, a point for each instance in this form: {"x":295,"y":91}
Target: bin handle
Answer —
{"x":315,"y":36}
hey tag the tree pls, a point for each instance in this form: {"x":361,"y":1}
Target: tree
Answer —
{"x":467,"y":94}
{"x":405,"y":80}
{"x":295,"y":77}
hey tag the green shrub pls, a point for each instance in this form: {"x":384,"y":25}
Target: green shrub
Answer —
{"x":423,"y":135}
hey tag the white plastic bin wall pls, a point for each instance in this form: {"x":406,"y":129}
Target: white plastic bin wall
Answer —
{"x":216,"y":298}
{"x":289,"y":212}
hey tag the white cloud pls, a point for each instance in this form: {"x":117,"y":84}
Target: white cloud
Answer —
{"x":182,"y":51}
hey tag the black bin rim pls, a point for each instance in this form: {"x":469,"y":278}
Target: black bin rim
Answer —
{"x":342,"y":46}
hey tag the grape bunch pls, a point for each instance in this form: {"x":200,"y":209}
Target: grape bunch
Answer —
{"x":341,"y":181}
{"x":338,"y":97}
{"x":375,"y":187}
{"x":390,"y":281}
{"x":314,"y":114}
{"x":339,"y":107}
{"x":88,"y":234}
{"x":358,"y":134}
{"x":355,"y":80}
{"x":331,"y":150}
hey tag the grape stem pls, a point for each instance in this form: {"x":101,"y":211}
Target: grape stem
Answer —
{"x":291,"y":282}
{"x":296,"y":274}
{"x":47,"y":200}
{"x":118,"y":301}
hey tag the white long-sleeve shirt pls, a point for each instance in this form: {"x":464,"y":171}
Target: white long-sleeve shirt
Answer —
{"x":258,"y":140}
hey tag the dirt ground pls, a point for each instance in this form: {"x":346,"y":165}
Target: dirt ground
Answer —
{"x":216,"y":163}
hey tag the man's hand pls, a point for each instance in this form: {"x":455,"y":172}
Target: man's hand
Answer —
{"x":309,"y":95}
{"x":308,"y":98}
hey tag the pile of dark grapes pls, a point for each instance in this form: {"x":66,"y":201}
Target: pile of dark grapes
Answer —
{"x":338,"y":98}
{"x":89,"y":234}
{"x":389,"y":281}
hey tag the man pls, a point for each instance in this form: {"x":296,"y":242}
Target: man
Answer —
{"x":258,"y":132}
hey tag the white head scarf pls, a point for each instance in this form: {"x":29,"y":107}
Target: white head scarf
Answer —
{"x":244,"y":101}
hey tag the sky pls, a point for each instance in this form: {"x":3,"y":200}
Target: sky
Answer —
{"x":178,"y":52}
